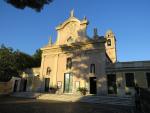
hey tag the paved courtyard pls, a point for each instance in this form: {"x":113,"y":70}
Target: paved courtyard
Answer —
{"x":20,"y":105}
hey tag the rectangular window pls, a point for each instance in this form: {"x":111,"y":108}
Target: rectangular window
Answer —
{"x":111,"y":84}
{"x":148,"y":79}
{"x":129,"y":79}
{"x":69,"y":63}
{"x":92,"y":68}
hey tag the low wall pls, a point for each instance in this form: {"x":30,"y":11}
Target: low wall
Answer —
{"x":7,"y":87}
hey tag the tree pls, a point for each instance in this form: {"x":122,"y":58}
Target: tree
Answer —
{"x":23,"y":61}
{"x":7,"y":64}
{"x":37,"y":58}
{"x":34,"y":4}
{"x":12,"y":63}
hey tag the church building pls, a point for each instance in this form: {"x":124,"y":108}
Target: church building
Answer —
{"x":77,"y":60}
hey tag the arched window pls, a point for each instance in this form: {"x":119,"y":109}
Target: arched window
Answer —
{"x":48,"y":71}
{"x":69,"y":63}
{"x":92,"y":68}
{"x":109,"y":42}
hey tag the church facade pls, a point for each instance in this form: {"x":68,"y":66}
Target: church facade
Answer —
{"x":77,"y":60}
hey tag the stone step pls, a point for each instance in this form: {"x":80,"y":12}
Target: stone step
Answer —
{"x":92,"y":99}
{"x":109,"y":101}
{"x":127,"y":101}
{"x":26,"y":94}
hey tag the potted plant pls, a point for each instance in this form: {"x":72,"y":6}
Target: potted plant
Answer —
{"x":53,"y":89}
{"x":82,"y":90}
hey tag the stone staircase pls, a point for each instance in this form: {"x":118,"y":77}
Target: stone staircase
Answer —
{"x":30,"y":95}
{"x":113,"y":100}
{"x":124,"y":101}
{"x":62,"y":97}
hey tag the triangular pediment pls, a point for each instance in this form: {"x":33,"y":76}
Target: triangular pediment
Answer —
{"x":73,"y":28}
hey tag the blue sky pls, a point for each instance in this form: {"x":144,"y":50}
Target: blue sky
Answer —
{"x":28,"y":30}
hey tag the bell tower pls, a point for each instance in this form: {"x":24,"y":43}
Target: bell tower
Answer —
{"x":111,"y":45}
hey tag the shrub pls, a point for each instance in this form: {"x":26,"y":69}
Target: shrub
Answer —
{"x":82,"y":90}
{"x":53,"y":89}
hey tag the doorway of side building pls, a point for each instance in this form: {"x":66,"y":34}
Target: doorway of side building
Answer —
{"x":24,"y":85}
{"x":47,"y":81}
{"x":111,"y":83}
{"x":15,"y":85}
{"x":93,"y":86}
{"x":68,"y":82}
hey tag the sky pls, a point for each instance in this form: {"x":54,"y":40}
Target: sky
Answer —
{"x":28,"y":30}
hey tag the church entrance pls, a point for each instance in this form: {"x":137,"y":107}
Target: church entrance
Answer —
{"x":111,"y":83}
{"x":68,"y":83}
{"x":47,"y":81}
{"x":93,"y":85}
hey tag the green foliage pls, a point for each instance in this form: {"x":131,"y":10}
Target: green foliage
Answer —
{"x":34,"y":4}
{"x":7,"y":63}
{"x":82,"y":90}
{"x":12,"y":63}
{"x":53,"y":89}
{"x":37,"y":58}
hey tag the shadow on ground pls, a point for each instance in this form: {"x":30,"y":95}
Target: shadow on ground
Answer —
{"x":20,"y":105}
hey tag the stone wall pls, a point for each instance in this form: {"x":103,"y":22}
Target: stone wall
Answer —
{"x":8,"y":87}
